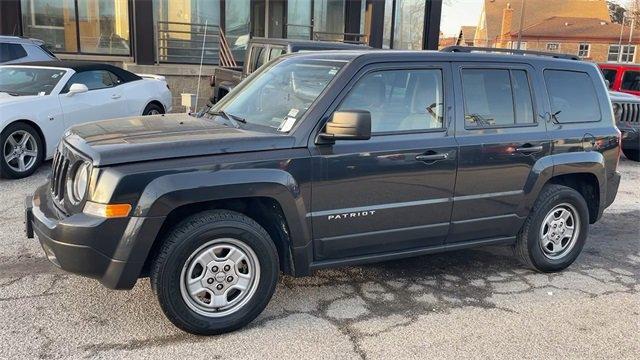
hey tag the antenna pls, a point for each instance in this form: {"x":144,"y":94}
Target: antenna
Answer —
{"x":204,"y":39}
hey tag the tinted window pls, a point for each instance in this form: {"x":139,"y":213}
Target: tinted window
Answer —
{"x":399,"y":100}
{"x":496,"y":97}
{"x":9,"y":52}
{"x":572,"y":96}
{"x":95,"y":79}
{"x":610,"y":76}
{"x":631,"y":80}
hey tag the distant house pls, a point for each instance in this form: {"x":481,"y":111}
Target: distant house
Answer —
{"x":446,"y":41}
{"x":466,"y":36}
{"x":578,"y":27}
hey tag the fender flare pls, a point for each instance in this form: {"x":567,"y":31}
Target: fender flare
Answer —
{"x":590,"y":162}
{"x":166,"y":193}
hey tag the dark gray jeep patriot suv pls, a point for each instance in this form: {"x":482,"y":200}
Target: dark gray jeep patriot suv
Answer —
{"x":330,"y":159}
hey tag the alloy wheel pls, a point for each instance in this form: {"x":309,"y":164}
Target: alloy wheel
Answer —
{"x":20,"y":151}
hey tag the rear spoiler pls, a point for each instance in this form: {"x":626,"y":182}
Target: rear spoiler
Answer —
{"x":153,"y":77}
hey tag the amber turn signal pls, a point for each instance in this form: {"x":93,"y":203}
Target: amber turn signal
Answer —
{"x":109,"y":211}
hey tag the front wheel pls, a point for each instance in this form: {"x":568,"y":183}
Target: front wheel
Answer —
{"x":21,"y":151}
{"x":153,"y":109}
{"x":215,"y":272}
{"x":555,"y":231}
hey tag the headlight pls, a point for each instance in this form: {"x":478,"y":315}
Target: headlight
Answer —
{"x":78,"y":182}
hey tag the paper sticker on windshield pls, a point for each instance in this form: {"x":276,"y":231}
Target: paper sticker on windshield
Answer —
{"x":333,"y":71}
{"x":287,"y":124}
{"x":293,"y":113}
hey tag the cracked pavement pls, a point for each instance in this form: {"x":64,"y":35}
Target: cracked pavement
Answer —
{"x":475,"y":303}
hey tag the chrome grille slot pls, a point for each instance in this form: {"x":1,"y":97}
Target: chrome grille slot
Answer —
{"x":629,"y":112}
{"x":60,"y":167}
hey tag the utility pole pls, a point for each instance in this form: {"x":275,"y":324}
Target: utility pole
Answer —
{"x":521,"y":23}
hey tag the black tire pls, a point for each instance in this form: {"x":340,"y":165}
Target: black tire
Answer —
{"x":7,"y":168}
{"x":632,"y":154}
{"x":183,"y":241}
{"x":153,"y":109}
{"x":528,"y":248}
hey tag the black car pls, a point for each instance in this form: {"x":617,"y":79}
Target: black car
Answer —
{"x":331,"y":159}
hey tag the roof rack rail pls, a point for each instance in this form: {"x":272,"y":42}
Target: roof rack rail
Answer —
{"x":469,"y":49}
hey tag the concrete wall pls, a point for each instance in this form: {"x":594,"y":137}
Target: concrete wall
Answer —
{"x":181,"y":79}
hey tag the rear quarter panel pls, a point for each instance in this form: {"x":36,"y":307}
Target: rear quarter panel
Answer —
{"x":141,"y":92}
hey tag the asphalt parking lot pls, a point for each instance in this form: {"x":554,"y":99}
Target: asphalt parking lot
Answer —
{"x":473,"y":304}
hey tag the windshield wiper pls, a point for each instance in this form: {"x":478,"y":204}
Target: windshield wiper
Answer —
{"x":229,"y":117}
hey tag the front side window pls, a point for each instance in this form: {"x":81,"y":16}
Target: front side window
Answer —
{"x":399,"y":100}
{"x":631,"y":80}
{"x":610,"y":76}
{"x":94,"y":80}
{"x":572,"y":96}
{"x":280,"y":94}
{"x":496,"y":97}
{"x":19,"y":81}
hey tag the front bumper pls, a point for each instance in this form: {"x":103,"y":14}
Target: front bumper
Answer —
{"x":110,"y":250}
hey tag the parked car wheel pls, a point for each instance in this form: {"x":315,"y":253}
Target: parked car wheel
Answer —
{"x":153,"y":109}
{"x":553,"y":235}
{"x":22,"y":151}
{"x":215,"y":272}
{"x":632,"y":154}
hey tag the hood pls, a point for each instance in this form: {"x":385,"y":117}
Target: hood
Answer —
{"x":623,"y":97}
{"x":143,"y":138}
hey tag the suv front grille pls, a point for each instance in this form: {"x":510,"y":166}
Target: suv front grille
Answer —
{"x":629,"y":112}
{"x":60,"y":167}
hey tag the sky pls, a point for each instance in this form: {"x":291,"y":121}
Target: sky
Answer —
{"x":456,"y":13}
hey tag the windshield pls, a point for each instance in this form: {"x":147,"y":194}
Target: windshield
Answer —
{"x":18,"y":81}
{"x":279,"y":95}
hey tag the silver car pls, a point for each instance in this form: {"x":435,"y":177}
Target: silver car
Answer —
{"x":14,"y":50}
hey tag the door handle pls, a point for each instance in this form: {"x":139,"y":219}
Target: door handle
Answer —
{"x":529,"y":149}
{"x":432,"y":157}
{"x":115,"y":96}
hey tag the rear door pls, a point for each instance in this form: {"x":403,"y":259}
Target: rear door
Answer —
{"x":104,"y":100}
{"x":501,"y":131}
{"x":392,"y":192}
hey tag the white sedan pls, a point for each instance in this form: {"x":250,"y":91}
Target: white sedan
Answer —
{"x":39,"y":101}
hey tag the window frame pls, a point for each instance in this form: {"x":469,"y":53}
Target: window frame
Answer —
{"x":447,"y":92}
{"x":548,"y":95}
{"x":552,"y":43}
{"x":580,"y":45}
{"x":113,"y":76}
{"x":510,"y":68}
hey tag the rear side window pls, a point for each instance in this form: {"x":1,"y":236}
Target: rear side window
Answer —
{"x":631,"y":81}
{"x":610,"y":76}
{"x":496,"y":97}
{"x":9,"y":52}
{"x":572,"y":96}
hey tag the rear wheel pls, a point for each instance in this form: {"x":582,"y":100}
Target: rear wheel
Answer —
{"x":553,"y":235}
{"x":215,"y":272}
{"x":153,"y":109}
{"x":21,"y":151}
{"x":632,"y":154}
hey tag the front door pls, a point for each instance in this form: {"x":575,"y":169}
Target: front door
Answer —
{"x":394,"y":191}
{"x":501,"y":129}
{"x":104,"y":100}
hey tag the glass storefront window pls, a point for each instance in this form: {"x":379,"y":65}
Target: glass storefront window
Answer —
{"x":237,"y":26}
{"x":388,"y":20}
{"x":328,"y":18}
{"x":104,"y":27}
{"x":409,"y":24}
{"x":52,"y":21}
{"x":299,"y":19}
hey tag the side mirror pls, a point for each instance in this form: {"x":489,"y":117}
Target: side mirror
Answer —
{"x":348,"y":125}
{"x":77,"y":89}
